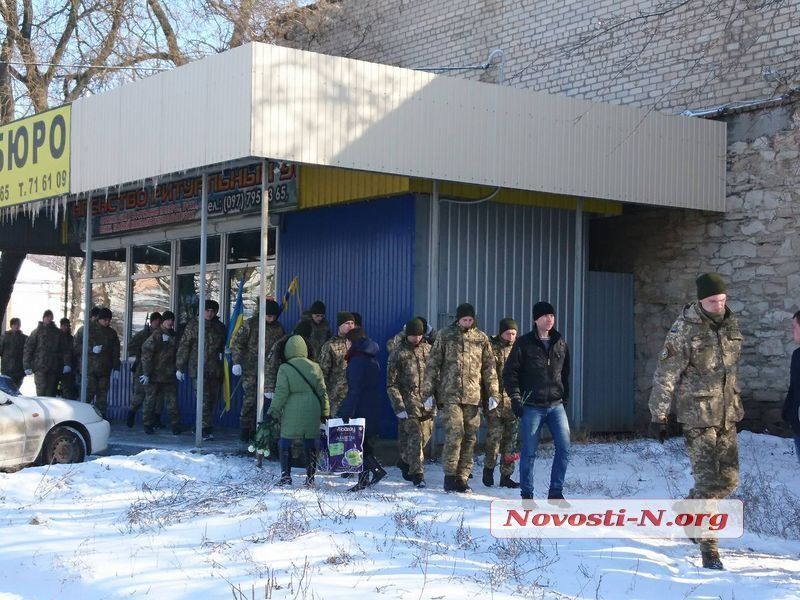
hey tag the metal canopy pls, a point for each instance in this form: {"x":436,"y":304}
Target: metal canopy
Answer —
{"x":272,"y":102}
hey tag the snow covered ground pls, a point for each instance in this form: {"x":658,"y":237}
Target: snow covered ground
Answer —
{"x":165,"y":524}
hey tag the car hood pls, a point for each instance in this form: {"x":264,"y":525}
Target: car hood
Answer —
{"x":53,"y":410}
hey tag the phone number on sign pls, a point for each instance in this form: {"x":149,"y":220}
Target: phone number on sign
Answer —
{"x":52,"y":183}
{"x":247,"y":200}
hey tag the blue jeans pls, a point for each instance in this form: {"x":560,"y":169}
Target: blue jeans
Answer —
{"x":530,"y":430}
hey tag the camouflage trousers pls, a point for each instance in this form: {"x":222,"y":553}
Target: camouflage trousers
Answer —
{"x":247,"y":417}
{"x":46,"y":382}
{"x":415,"y":434}
{"x":97,"y":390}
{"x":67,"y":387}
{"x":460,"y":422}
{"x":714,"y":456}
{"x":500,"y":439}
{"x":211,"y":388}
{"x":156,"y":396}
{"x":139,"y":395}
{"x":336,"y":403}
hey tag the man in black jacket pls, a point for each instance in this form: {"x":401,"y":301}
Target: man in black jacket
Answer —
{"x":536,"y":378}
{"x":792,"y":404}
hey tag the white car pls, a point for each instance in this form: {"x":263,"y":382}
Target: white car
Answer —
{"x":47,"y":430}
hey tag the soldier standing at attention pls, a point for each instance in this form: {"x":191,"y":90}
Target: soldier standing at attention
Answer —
{"x":698,"y":368}
{"x":158,"y":375}
{"x":320,"y":329}
{"x":460,"y":366}
{"x":135,"y":350}
{"x":45,"y":356}
{"x":245,"y":362}
{"x":104,"y":350}
{"x":333,"y":364}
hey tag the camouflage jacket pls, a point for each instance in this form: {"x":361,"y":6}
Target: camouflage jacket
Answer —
{"x":158,"y":356}
{"x":275,"y":359}
{"x":320,"y":333}
{"x":501,"y":349}
{"x":460,"y":367}
{"x":135,"y":348}
{"x":395,"y":340}
{"x":12,"y":348}
{"x":334,"y":368}
{"x":108,"y":360}
{"x":45,"y":351}
{"x":698,"y":368}
{"x":404,"y":378}
{"x":216,"y":335}
{"x":244,"y":350}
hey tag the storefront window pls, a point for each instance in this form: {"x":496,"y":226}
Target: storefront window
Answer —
{"x":149,"y":294}
{"x":252,"y":279}
{"x":108,"y":263}
{"x":152,"y":258}
{"x":188,"y":295}
{"x":245,"y":246}
{"x":111,"y":294}
{"x":190,"y":251}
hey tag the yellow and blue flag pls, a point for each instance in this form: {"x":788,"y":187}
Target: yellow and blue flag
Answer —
{"x":235,"y":322}
{"x":291,"y":291}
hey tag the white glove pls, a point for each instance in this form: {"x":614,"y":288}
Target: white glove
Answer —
{"x":165,"y":337}
{"x":28,"y":372}
{"x":97,"y":349}
{"x":115,"y":374}
{"x":144,"y":379}
{"x":493,"y":403}
{"x":219,"y":357}
{"x":67,"y":369}
{"x":179,"y":375}
{"x":429,"y":403}
{"x":269,"y":395}
{"x":236,"y":370}
{"x":402,"y":415}
{"x":131,"y":359}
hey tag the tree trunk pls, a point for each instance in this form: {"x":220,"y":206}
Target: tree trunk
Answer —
{"x":10,"y":263}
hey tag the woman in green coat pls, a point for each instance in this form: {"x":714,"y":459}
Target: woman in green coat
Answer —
{"x":300,"y":403}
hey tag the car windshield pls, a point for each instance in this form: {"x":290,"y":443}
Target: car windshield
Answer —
{"x":7,"y":386}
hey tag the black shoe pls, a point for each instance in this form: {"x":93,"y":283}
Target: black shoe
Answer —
{"x":311,"y":468}
{"x":557,"y":498}
{"x":488,"y":477}
{"x":470,"y":476}
{"x":403,"y":466}
{"x":419,"y":480}
{"x":208,"y":435}
{"x":711,"y":560}
{"x":286,"y":467}
{"x":131,"y":419}
{"x":363,"y":482}
{"x":149,"y":430}
{"x":507,"y":482}
{"x":378,"y":472}
{"x":526,"y":495}
{"x":462,"y":487}
{"x":450,"y":483}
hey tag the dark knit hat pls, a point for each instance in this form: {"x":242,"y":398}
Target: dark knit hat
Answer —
{"x":303,"y":328}
{"x":63,"y":321}
{"x":415,"y":327}
{"x":105,"y":313}
{"x":168,"y":316}
{"x":709,"y":284}
{"x":356,"y":334}
{"x":465,"y":310}
{"x":317,"y":308}
{"x":47,"y":313}
{"x":94,"y":312}
{"x":272,"y":308}
{"x":155,"y":316}
{"x":424,"y":323}
{"x":543,"y":308}
{"x":508,"y":323}
{"x":344,"y":317}
{"x":212,"y":305}
{"x":357,"y":319}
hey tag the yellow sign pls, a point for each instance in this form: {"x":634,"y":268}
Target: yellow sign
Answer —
{"x":34,"y":157}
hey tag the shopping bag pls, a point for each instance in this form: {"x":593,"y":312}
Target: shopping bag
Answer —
{"x":345,"y":445}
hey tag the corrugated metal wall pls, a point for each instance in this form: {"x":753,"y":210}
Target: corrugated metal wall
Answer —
{"x":357,"y":257}
{"x":608,"y":362}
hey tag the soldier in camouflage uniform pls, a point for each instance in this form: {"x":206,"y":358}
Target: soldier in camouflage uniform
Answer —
{"x":158,"y":375}
{"x":698,"y":368}
{"x":244,"y":353}
{"x":66,"y":383}
{"x":104,"y":350}
{"x":460,"y":368}
{"x":135,"y":351}
{"x":12,"y":348}
{"x":333,"y":364}
{"x":404,"y":378}
{"x":320,"y":328}
{"x":500,"y":418}
{"x":45,"y":356}
{"x":216,"y":335}
{"x":429,"y":333}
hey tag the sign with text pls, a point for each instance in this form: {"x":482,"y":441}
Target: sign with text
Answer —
{"x":34,"y":157}
{"x":230,"y":191}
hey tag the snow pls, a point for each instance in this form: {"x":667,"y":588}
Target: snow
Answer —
{"x":170,"y":524}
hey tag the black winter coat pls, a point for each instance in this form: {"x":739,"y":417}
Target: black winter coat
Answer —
{"x":366,"y":388}
{"x":792,"y":403}
{"x":540,"y":377}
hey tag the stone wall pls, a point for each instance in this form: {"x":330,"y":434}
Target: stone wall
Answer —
{"x":755,"y":245}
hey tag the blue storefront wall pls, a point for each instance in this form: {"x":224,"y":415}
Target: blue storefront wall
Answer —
{"x":356,"y":257}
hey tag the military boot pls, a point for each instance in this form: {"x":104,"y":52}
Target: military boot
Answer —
{"x":311,"y":467}
{"x":419,"y":480}
{"x":711,"y":559}
{"x":363,"y":481}
{"x":286,"y":467}
{"x":131,"y":419}
{"x":450,"y":483}
{"x":403,"y":466}
{"x":462,"y":487}
{"x":488,"y":477}
{"x":507,"y":482}
{"x":377,"y":470}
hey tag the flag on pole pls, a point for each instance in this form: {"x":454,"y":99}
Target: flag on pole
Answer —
{"x":291,"y":291}
{"x":235,"y":322}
